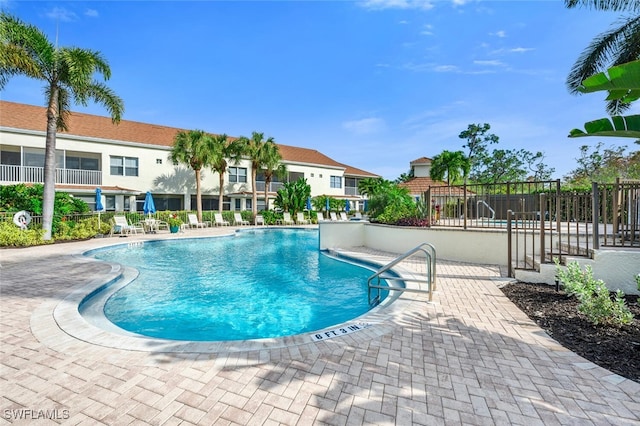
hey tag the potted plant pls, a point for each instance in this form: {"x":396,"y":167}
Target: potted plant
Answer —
{"x":174,"y":222}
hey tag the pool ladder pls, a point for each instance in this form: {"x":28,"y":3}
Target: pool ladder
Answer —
{"x":429,"y":251}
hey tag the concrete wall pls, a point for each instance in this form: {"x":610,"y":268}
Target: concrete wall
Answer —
{"x":617,"y":268}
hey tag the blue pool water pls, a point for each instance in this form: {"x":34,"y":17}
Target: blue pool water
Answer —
{"x":257,"y":284}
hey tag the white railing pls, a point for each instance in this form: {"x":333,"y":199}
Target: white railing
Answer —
{"x":29,"y":174}
{"x":273,"y":186}
{"x":351,"y":190}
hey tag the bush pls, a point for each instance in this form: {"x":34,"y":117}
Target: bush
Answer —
{"x":594,"y":296}
{"x":12,"y":236}
{"x":413,"y":221}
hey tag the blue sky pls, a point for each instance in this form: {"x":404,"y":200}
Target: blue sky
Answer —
{"x":374,"y":84}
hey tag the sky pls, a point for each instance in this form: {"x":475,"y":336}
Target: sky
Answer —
{"x":373,"y":84}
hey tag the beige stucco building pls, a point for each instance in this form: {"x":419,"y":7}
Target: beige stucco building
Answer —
{"x":128,"y":159}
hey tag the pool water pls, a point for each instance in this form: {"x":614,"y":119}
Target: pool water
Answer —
{"x":257,"y":284}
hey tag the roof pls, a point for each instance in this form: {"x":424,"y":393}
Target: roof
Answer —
{"x":30,"y":117}
{"x":418,"y":185}
{"x":421,"y":160}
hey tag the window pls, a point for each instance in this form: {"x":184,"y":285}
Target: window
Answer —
{"x":124,"y":166}
{"x":237,"y":207}
{"x":158,"y":160}
{"x":294,"y":176}
{"x":81,"y":163}
{"x":351,"y":182}
{"x":237,"y":174}
{"x":110,"y":202}
{"x":247,"y":204}
{"x":336,"y":182}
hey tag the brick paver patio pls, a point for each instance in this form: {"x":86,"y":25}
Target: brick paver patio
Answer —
{"x":469,"y":357}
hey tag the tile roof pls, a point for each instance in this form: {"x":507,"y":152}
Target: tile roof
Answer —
{"x":418,"y":185}
{"x":30,"y":117}
{"x":421,"y":160}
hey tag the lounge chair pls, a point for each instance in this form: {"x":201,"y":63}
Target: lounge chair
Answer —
{"x":357,"y":216}
{"x":300,"y":220}
{"x":193,"y":222}
{"x":333,"y":216}
{"x":343,"y":216}
{"x":219,"y":220}
{"x":239,"y":221}
{"x":259,"y":220}
{"x":320,"y":217}
{"x":122,"y":226}
{"x":286,"y":219}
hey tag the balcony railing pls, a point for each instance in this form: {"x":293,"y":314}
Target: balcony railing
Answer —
{"x":29,"y":174}
{"x":351,"y":190}
{"x":273,"y":186}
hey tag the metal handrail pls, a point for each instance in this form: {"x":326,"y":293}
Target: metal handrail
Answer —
{"x":430,"y":253}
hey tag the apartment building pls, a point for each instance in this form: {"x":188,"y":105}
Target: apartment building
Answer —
{"x":128,"y":159}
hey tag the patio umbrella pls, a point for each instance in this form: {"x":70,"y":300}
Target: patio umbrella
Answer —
{"x":149,"y":206}
{"x":347,"y":206}
{"x":366,"y":205}
{"x":309,"y":203}
{"x":99,"y":206}
{"x":326,"y":204}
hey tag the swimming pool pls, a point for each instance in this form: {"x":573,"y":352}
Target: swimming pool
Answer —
{"x":256,"y":284}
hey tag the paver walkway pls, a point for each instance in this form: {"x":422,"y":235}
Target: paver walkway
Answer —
{"x":470,"y":357}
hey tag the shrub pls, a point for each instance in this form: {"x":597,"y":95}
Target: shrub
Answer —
{"x":12,"y":236}
{"x":413,"y":221}
{"x":594,"y":296}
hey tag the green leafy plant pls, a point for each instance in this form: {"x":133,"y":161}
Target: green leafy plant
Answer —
{"x":174,"y":220}
{"x":594,"y":296}
{"x":638,"y":281}
{"x":12,"y":236}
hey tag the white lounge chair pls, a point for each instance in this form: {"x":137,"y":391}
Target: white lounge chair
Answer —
{"x":122,"y":226}
{"x":193,"y":222}
{"x":239,"y":221}
{"x":357,"y":216}
{"x":219,"y":220}
{"x":259,"y":220}
{"x":320,"y":217}
{"x":333,"y":216}
{"x":286,"y":219}
{"x":300,"y":220}
{"x":343,"y":216}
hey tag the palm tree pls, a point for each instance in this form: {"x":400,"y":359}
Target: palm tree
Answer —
{"x":195,"y":149}
{"x":453,"y":165}
{"x":223,"y":150}
{"x":618,"y":45}
{"x":271,"y":166}
{"x":257,"y":149}
{"x":68,"y":73}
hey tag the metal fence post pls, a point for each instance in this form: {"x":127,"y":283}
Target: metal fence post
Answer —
{"x":509,"y":244}
{"x":595,"y":212}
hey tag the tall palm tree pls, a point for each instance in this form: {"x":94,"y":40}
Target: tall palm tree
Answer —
{"x":618,"y":45}
{"x":195,"y":149}
{"x":271,"y":166}
{"x":453,"y":165}
{"x":223,"y":152}
{"x":256,"y":148}
{"x":68,"y":74}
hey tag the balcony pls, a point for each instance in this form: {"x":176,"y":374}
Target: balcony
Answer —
{"x":351,"y":190}
{"x":29,"y":174}
{"x":273,"y":186}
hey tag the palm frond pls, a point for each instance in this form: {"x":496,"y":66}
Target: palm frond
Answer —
{"x":613,"y":5}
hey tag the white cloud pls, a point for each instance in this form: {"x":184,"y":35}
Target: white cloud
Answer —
{"x":62,"y":14}
{"x":494,"y":63}
{"x":426,"y":30}
{"x":446,"y":68}
{"x":396,"y":4}
{"x":521,"y":49}
{"x":365,"y":126}
{"x":501,"y":34}
{"x":91,"y":13}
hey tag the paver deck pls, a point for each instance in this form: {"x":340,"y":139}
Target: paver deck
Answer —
{"x":469,"y":357}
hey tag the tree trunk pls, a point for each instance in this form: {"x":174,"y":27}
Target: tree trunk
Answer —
{"x":267,"y":182}
{"x":49,"y":194}
{"x":221,"y":196}
{"x":254,"y":205}
{"x":198,"y":196}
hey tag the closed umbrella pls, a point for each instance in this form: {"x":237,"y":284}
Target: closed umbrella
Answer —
{"x":309,"y":203}
{"x":347,"y":206}
{"x":99,"y":206}
{"x":366,"y":205}
{"x":326,"y":204}
{"x":149,"y":206}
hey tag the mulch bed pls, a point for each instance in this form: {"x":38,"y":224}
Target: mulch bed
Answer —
{"x":615,"y":348}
